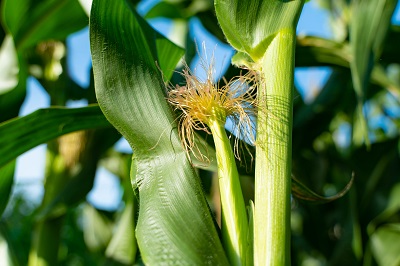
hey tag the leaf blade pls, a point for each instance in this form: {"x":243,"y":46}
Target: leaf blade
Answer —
{"x":6,"y":182}
{"x":22,"y":134}
{"x":257,"y":30}
{"x":130,"y":92}
{"x":368,"y":29}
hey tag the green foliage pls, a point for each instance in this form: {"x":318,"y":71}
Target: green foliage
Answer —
{"x":6,"y":182}
{"x":253,"y":33}
{"x":164,"y":190}
{"x":22,"y":134}
{"x":367,"y":31}
{"x":28,"y":20}
{"x":168,"y":219}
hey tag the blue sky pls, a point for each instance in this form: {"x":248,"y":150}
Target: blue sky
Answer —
{"x":106,"y":192}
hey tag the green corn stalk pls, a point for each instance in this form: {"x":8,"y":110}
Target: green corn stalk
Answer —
{"x":264,"y":33}
{"x":273,"y":153}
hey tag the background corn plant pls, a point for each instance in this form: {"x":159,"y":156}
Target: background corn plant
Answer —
{"x":169,"y":217}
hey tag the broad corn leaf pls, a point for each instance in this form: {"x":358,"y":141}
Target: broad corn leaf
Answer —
{"x":174,"y":223}
{"x":22,"y":134}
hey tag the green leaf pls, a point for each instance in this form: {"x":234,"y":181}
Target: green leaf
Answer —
{"x":6,"y":182}
{"x":315,"y":51}
{"x":383,"y":246}
{"x":301,"y":191}
{"x":6,"y":257}
{"x":165,"y":9}
{"x":369,"y":25}
{"x":9,"y":65}
{"x":250,"y":235}
{"x":22,"y":134}
{"x":123,"y":247}
{"x":166,"y":50}
{"x":12,"y":80}
{"x":392,"y":210}
{"x":174,"y":224}
{"x":31,"y":21}
{"x":253,"y":33}
{"x":81,"y":181}
{"x":241,"y":59}
{"x":97,"y":228}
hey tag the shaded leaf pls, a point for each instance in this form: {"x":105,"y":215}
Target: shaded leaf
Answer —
{"x":257,"y":30}
{"x":164,"y":9}
{"x":6,"y":182}
{"x":31,"y":21}
{"x":81,"y":182}
{"x":369,"y":25}
{"x":391,"y":211}
{"x":301,"y":191}
{"x":315,"y":51}
{"x":22,"y":134}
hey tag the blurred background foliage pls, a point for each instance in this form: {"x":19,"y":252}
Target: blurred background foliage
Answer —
{"x":350,"y":126}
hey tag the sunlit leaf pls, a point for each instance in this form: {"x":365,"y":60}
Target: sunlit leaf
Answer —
{"x":123,"y":247}
{"x":253,"y":33}
{"x":97,"y":228}
{"x":12,"y":80}
{"x":6,"y":258}
{"x":383,"y":246}
{"x":9,"y":67}
{"x":130,"y":92}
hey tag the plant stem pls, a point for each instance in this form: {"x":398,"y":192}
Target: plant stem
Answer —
{"x":46,"y":240}
{"x":273,"y":152}
{"x":234,"y":224}
{"x":44,"y":251}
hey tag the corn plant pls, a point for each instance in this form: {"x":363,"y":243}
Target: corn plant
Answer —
{"x":175,"y":123}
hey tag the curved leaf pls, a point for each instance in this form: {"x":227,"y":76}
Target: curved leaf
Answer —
{"x":32,"y":21}
{"x":301,"y":191}
{"x":257,"y":30}
{"x":316,"y":51}
{"x":22,"y":134}
{"x":174,"y":224}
